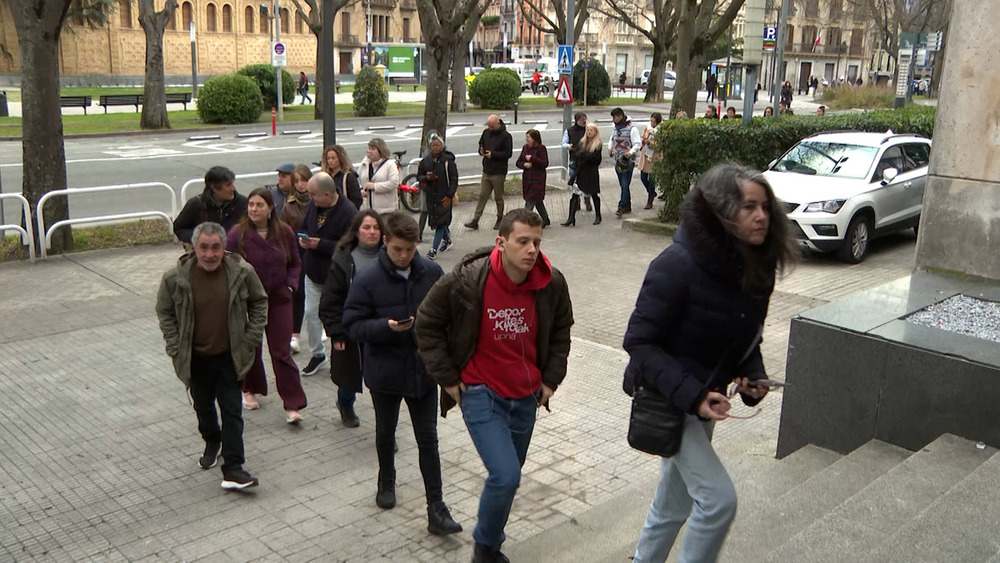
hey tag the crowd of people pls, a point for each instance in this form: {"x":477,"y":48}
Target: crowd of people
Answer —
{"x":328,"y":251}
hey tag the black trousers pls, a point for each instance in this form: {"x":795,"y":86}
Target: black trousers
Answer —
{"x":214,"y":380}
{"x":538,"y":204}
{"x":423,"y":415}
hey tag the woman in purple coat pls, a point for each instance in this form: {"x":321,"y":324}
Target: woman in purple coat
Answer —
{"x":534,"y":160}
{"x":270,"y":247}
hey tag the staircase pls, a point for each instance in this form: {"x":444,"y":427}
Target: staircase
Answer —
{"x":880,"y":503}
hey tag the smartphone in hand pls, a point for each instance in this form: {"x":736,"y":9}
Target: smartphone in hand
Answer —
{"x":303,"y":236}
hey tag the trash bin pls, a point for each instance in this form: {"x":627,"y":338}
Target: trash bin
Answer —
{"x":4,"y":112}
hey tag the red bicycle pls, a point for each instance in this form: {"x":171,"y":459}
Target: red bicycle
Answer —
{"x":409,"y":187}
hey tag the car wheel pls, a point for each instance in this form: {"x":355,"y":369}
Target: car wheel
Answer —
{"x":856,"y":240}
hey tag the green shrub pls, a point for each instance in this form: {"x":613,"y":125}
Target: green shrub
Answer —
{"x":370,"y":96}
{"x":691,"y":146}
{"x":264,"y":75}
{"x":598,"y":83}
{"x":495,"y":88}
{"x":230,"y":98}
{"x":866,"y":97}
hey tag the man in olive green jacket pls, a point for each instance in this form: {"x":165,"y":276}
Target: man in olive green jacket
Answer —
{"x":212,"y":310}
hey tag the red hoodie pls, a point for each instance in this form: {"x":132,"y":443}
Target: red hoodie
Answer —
{"x":506,"y":356}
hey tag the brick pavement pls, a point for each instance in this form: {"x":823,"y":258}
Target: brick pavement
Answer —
{"x":98,"y":444}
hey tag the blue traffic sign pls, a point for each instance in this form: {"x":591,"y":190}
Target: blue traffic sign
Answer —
{"x":565,"y":59}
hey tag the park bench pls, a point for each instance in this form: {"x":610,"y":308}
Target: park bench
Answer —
{"x":76,"y":102}
{"x":179,"y":98}
{"x":631,"y":89}
{"x":120,"y":100}
{"x":400,"y":82}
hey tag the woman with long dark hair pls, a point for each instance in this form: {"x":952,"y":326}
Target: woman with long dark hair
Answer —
{"x":357,"y":250}
{"x":588,"y":177}
{"x":534,"y":159}
{"x":270,"y":247}
{"x":696,"y":329}
{"x":337,"y":164}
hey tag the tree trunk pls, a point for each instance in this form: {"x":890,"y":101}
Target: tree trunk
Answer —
{"x":318,"y":90}
{"x":459,"y":86}
{"x":656,"y":74}
{"x":688,"y":75}
{"x":436,"y":104}
{"x":38,"y":25}
{"x":154,"y":98}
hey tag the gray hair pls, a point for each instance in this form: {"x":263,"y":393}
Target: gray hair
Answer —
{"x":210,"y":229}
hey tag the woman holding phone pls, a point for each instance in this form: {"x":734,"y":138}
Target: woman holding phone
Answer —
{"x":696,"y":329}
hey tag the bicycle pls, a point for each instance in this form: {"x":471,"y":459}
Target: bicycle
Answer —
{"x":408,"y":189}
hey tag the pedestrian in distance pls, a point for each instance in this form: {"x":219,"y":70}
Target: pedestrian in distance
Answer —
{"x":284,"y":187}
{"x":731,"y":113}
{"x":768,"y":111}
{"x":380,"y":313}
{"x":496,"y":147}
{"x":588,"y":177}
{"x":711,"y":83}
{"x":786,"y":93}
{"x":304,"y":88}
{"x":571,"y":142}
{"x":695,"y":331}
{"x":534,"y":159}
{"x":379,"y":178}
{"x":623,"y":145}
{"x":536,"y":78}
{"x":218,"y":203}
{"x":438,"y":177}
{"x":647,"y":156}
{"x":337,"y":164}
{"x":212,"y":310}
{"x":270,"y":247}
{"x":784,"y":109}
{"x":292,"y":215}
{"x":356,"y":251}
{"x":711,"y":112}
{"x":495,"y":335}
{"x":821,"y":110}
{"x":328,"y":218}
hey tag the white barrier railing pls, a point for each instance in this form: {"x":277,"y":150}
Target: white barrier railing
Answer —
{"x":26,"y":232}
{"x":201,"y":181}
{"x":115,"y":218}
{"x":473,"y":177}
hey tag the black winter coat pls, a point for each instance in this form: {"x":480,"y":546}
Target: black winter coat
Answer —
{"x":692,"y":314}
{"x":436,"y":190}
{"x":390,"y":362}
{"x":201,"y":208}
{"x":345,"y":365}
{"x":502,"y":146}
{"x":588,"y":176}
{"x":316,"y":262}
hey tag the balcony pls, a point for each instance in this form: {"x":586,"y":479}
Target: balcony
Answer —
{"x":382,"y":39}
{"x":389,"y":4}
{"x":407,"y":39}
{"x":410,"y":5}
{"x":808,"y":48}
{"x":346,"y":39}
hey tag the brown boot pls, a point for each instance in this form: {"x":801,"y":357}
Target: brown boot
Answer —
{"x":649,"y":202}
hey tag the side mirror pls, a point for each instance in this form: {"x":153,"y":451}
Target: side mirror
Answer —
{"x":888,"y":175}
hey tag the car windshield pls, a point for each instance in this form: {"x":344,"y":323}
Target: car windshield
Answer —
{"x":828,"y":159}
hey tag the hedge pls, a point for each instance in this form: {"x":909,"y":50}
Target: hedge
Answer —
{"x":264,"y":75}
{"x":689,"y":147}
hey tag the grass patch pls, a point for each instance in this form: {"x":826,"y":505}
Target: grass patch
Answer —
{"x":11,"y":249}
{"x":847,"y":96}
{"x":132,"y":233}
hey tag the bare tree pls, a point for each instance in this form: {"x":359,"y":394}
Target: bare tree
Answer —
{"x":658,"y":25}
{"x":154,"y":97}
{"x":536,"y":15}
{"x":892,"y":17}
{"x":460,"y":58}
{"x":700,"y":23}
{"x":314,"y":19}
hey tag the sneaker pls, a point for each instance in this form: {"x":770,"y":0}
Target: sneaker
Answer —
{"x":315,"y":364}
{"x":238,"y":479}
{"x":432,"y":253}
{"x":445,"y":245}
{"x":211,"y":455}
{"x":348,"y":417}
{"x":474,"y":225}
{"x":296,"y":347}
{"x":293,"y":417}
{"x":250,"y":402}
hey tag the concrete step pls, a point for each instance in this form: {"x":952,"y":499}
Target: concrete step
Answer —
{"x":962,"y":525}
{"x":764,"y":525}
{"x":862,"y":522}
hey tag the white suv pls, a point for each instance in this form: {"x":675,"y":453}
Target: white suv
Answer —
{"x":842,"y":189}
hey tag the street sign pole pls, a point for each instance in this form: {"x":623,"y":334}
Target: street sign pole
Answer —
{"x":779,"y":72}
{"x":568,"y":108}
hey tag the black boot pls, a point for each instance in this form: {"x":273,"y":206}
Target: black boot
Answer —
{"x":386,"y":496}
{"x":597,"y":210}
{"x":649,"y":202}
{"x":589,"y":208}
{"x":574,"y":205}
{"x":483,"y":554}
{"x":439,"y":520}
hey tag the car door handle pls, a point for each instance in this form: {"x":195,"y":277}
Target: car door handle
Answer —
{"x":908,"y":184}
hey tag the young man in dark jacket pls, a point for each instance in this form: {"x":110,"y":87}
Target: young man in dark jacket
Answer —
{"x":219,"y":203}
{"x":379,"y":313}
{"x":328,"y":217}
{"x":496,"y":147}
{"x":495,"y":335}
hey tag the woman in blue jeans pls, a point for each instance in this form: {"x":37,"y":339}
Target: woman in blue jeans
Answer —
{"x":696,"y":330}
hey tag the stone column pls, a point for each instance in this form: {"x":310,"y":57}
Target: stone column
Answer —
{"x":960,"y":222}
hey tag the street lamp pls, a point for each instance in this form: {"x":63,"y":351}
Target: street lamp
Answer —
{"x":194,"y":65}
{"x":370,"y":57}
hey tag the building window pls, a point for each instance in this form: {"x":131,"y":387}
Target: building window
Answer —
{"x":187,"y":15}
{"x":345,"y":24}
{"x":298,"y":22}
{"x":406,"y":30}
{"x":171,"y":23}
{"x":125,"y":10}
{"x":857,"y":38}
{"x":264,"y":22}
{"x":227,"y":18}
{"x":834,"y":37}
{"x":210,"y":18}
{"x":812,"y":8}
{"x":836,"y":9}
{"x":284,"y":20}
{"x":790,"y":41}
{"x":248,"y":16}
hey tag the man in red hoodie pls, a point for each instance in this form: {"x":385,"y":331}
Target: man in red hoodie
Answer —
{"x":495,"y":335}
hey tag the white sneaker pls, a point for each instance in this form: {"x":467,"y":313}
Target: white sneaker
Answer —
{"x":325,"y":338}
{"x":295,"y":345}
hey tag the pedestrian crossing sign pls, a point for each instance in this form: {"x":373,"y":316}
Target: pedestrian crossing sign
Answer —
{"x":563,"y":93}
{"x":565,"y":59}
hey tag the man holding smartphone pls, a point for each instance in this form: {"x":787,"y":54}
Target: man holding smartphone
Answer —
{"x":495,"y":334}
{"x":379,"y":314}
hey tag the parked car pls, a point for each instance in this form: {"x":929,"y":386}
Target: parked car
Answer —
{"x":840,"y":190}
{"x":669,"y":79}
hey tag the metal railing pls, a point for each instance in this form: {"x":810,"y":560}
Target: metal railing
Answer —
{"x":200,"y":182}
{"x":469,"y":179}
{"x":114,"y":218}
{"x":26,"y":232}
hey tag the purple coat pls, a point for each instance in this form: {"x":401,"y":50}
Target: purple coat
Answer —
{"x":533,"y":181}
{"x":278,"y":268}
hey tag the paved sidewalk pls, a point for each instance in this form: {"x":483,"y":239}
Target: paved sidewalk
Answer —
{"x":99,"y":447}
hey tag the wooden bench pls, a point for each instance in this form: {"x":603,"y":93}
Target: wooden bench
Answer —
{"x":76,"y":102}
{"x":400,"y":82}
{"x":631,"y":89}
{"x":120,"y":100}
{"x":179,"y":98}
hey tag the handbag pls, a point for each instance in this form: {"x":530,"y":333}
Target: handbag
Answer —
{"x":655,"y":425}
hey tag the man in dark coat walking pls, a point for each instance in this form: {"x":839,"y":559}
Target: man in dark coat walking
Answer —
{"x":496,"y":147}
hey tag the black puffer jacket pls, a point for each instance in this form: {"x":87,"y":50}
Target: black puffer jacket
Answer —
{"x":501,"y":147}
{"x":390,"y":362}
{"x":345,"y":365}
{"x":201,"y":208}
{"x":692,"y":315}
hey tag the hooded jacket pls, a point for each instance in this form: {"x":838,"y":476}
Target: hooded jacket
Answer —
{"x":247,"y":313}
{"x":694,"y":329}
{"x":448,"y":322}
{"x":203,"y":207}
{"x":501,"y":145}
{"x":436,"y":190}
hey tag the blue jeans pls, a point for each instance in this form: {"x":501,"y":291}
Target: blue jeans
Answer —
{"x":647,"y":180}
{"x":346,"y":396}
{"x":625,"y":180}
{"x":693,"y":485}
{"x":501,"y":431}
{"x":440,"y":234}
{"x":314,"y":328}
